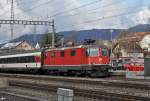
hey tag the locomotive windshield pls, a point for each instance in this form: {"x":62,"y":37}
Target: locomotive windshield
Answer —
{"x":93,"y":52}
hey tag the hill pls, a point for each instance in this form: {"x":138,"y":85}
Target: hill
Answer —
{"x":79,"y":36}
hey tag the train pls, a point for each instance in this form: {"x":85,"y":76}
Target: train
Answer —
{"x":80,"y":60}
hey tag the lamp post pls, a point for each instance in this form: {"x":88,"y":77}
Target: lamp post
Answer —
{"x":111,"y":51}
{"x":62,"y":40}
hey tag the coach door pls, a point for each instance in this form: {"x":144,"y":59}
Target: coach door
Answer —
{"x":62,"y":58}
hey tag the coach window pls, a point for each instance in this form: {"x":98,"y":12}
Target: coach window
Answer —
{"x":6,"y":60}
{"x":32,"y":59}
{"x":62,"y":53}
{"x":24,"y":59}
{"x":10,"y":60}
{"x":28,"y":59}
{"x":20,"y":60}
{"x":52,"y":54}
{"x":1,"y":60}
{"x":73,"y":52}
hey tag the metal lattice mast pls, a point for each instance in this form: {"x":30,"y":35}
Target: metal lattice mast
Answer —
{"x":53,"y":33}
{"x":12,"y":19}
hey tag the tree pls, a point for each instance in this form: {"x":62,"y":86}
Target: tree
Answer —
{"x":47,"y":39}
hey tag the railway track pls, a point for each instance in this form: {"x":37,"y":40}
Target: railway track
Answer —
{"x":87,"y":81}
{"x":7,"y":96}
{"x":81,"y":92}
{"x":40,"y":82}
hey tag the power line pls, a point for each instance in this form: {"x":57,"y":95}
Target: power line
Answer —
{"x":59,"y":13}
{"x":90,"y":11}
{"x":109,"y":10}
{"x":107,"y":5}
{"x":62,"y":11}
{"x":24,"y":3}
{"x":103,"y":18}
{"x":7,"y":11}
{"x":34,"y":7}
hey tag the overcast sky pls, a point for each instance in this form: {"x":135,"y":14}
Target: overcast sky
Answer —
{"x":74,"y":14}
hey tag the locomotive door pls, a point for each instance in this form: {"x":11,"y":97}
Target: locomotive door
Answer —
{"x":52,"y":58}
{"x":63,"y":59}
{"x":73,"y":57}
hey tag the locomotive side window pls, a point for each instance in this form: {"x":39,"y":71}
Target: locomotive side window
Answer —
{"x":104,"y":52}
{"x":93,"y":52}
{"x":73,"y":53}
{"x":52,"y":54}
{"x":62,"y":53}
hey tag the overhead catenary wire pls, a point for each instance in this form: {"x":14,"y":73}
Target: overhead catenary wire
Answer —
{"x":24,"y":2}
{"x":91,"y":11}
{"x":7,"y":11}
{"x":138,"y":20}
{"x":59,"y":13}
{"x":36,"y":6}
{"x":106,"y":17}
{"x":100,"y":19}
{"x":77,"y":13}
{"x":84,"y":5}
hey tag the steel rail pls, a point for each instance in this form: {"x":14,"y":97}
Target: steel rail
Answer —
{"x":112,"y":83}
{"x":80,"y":92}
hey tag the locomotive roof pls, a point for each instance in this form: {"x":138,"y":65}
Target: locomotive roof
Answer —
{"x":75,"y":47}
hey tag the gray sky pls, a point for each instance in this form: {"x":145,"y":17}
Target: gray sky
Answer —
{"x":75,"y":14}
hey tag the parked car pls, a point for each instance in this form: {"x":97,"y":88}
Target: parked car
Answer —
{"x":134,"y":66}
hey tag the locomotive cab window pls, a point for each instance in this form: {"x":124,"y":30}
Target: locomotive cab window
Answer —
{"x":104,"y":52}
{"x":73,"y":53}
{"x":62,"y":53}
{"x":52,"y":54}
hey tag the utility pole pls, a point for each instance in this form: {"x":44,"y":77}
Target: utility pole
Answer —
{"x":12,"y":19}
{"x":53,"y":34}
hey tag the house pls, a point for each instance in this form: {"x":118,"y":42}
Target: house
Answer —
{"x":145,"y":43}
{"x":131,"y":46}
{"x":21,"y":45}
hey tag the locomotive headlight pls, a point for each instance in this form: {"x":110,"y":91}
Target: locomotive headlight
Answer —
{"x":100,"y":59}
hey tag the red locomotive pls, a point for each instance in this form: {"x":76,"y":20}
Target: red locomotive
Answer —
{"x":79,"y":60}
